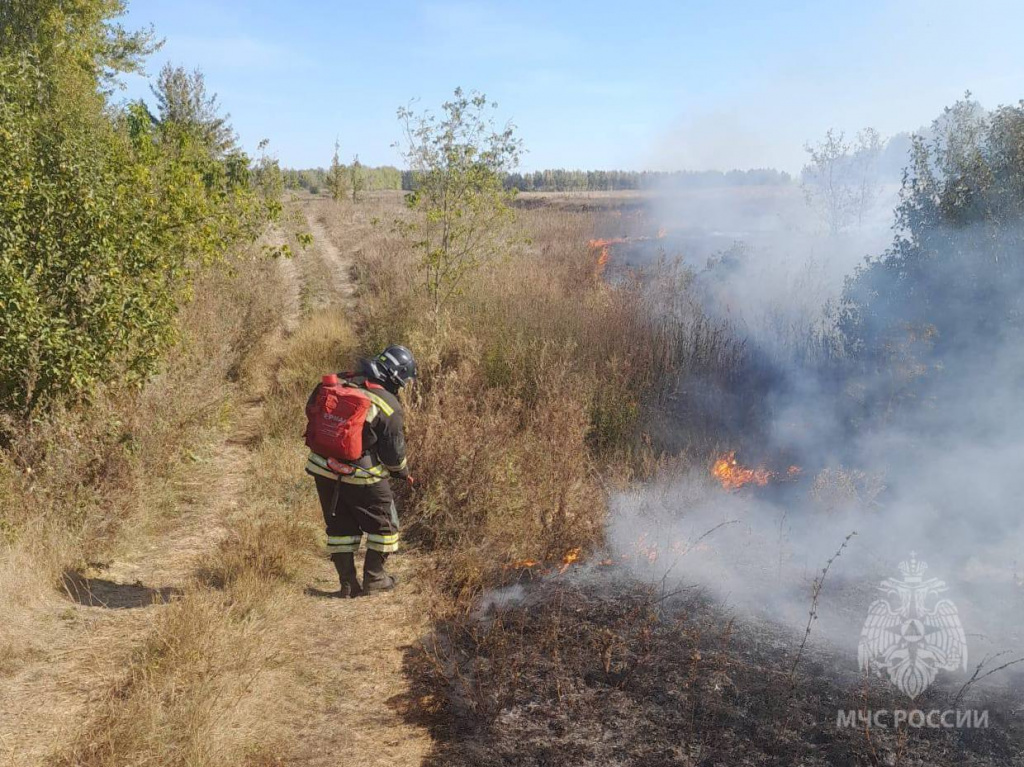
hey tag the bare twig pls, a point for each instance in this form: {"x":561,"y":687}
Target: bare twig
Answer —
{"x":977,"y":676}
{"x":812,"y":615}
{"x":664,"y":578}
{"x":694,"y":545}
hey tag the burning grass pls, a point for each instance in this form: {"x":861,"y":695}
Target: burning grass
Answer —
{"x":602,"y":247}
{"x":732,"y":475}
{"x":544,"y":389}
{"x":538,"y":390}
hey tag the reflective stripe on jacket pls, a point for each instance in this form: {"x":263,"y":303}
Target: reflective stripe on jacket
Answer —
{"x":317,"y":464}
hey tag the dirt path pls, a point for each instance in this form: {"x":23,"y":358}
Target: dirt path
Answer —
{"x":342,"y":668}
{"x":338,"y":267}
{"x":109,"y":608}
{"x":107,"y":611}
{"x":349,"y":710}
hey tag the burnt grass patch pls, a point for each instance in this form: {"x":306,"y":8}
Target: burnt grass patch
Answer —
{"x":595,"y":668}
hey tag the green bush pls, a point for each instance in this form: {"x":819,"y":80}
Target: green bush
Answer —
{"x":948,"y":293}
{"x":105,"y":216}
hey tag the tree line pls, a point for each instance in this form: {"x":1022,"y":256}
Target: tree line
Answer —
{"x":340,"y":178}
{"x":561,"y":180}
{"x":319,"y":180}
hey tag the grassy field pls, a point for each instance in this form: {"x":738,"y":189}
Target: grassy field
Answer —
{"x":161,"y":554}
{"x":164,"y":539}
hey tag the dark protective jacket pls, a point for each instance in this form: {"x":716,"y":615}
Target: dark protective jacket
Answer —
{"x":383,"y":438}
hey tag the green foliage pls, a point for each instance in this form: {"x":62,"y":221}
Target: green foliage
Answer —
{"x":382,"y":177}
{"x":459,"y":162}
{"x":268,"y":177}
{"x":78,"y":36}
{"x":184,"y":105}
{"x":841,"y":179}
{"x":337,"y":177}
{"x":311,"y":179}
{"x":357,"y":179}
{"x":314,"y":179}
{"x":105,"y":215}
{"x":953,"y":280}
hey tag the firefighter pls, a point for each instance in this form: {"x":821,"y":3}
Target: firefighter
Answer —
{"x":356,"y":497}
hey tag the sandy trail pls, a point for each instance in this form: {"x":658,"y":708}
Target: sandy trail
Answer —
{"x":354,"y":649}
{"x":110,"y":607}
{"x":338,"y":266}
{"x":106,"y":612}
{"x":344,"y":660}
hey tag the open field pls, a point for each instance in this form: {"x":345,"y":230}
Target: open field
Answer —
{"x":721,"y":472}
{"x":527,"y":629}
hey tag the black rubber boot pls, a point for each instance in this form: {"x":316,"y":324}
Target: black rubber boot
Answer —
{"x":345,"y":564}
{"x":374,"y":578}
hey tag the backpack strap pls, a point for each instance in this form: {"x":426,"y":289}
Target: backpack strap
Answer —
{"x":382,"y":404}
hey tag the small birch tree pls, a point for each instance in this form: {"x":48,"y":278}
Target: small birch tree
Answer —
{"x":459,"y":161}
{"x":841,"y":179}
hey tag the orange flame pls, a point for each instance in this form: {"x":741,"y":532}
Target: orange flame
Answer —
{"x":524,"y":563}
{"x":602,"y":247}
{"x":570,"y":557}
{"x":604,"y":242}
{"x":732,"y":476}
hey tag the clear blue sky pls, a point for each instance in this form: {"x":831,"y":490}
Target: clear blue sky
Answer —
{"x":592,"y":84}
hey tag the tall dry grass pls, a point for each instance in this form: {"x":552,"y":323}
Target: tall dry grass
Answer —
{"x":538,"y":393}
{"x":83,"y":483}
{"x":539,"y":388}
{"x":204,"y":684}
{"x":193,"y":691}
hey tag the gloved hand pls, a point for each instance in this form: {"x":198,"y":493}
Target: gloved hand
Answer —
{"x":410,"y":480}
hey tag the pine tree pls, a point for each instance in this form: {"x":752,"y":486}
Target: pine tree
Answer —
{"x":337,"y":176}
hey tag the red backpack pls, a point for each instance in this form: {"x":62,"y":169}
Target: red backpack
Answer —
{"x":335,"y":418}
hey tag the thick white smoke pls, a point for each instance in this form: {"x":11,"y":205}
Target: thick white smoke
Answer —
{"x":945,"y":481}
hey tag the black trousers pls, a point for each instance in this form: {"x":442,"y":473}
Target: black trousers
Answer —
{"x":352,"y":510}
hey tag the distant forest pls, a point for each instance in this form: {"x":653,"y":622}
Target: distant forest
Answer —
{"x":315,"y":180}
{"x":558,"y":180}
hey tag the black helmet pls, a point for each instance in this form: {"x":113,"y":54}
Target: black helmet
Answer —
{"x":393,"y":367}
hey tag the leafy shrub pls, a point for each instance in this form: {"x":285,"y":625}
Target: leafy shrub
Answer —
{"x":105,"y":217}
{"x":949,"y":290}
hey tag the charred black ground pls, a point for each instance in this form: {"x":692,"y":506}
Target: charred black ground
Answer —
{"x":595,"y":668}
{"x":899,"y":402}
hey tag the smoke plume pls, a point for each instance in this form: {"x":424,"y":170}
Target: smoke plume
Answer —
{"x":919,"y":449}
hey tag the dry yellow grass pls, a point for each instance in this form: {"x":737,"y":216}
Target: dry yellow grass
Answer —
{"x":89,"y":483}
{"x":531,"y":401}
{"x":240,"y":667}
{"x":535,"y":389}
